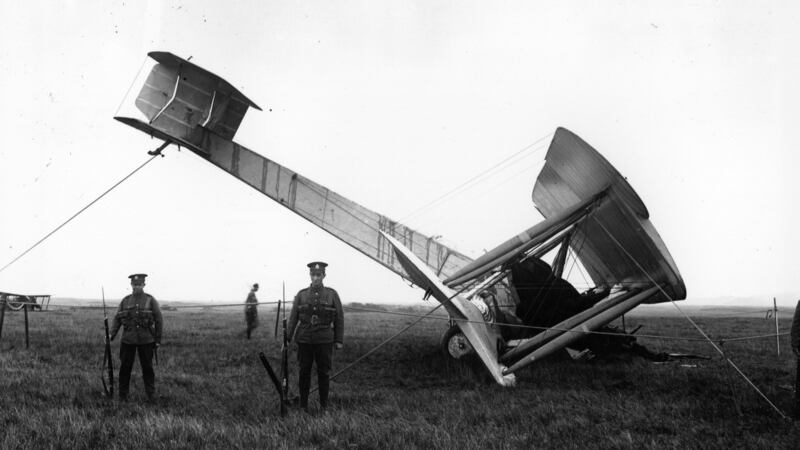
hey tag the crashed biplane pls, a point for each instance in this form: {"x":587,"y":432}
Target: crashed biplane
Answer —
{"x":16,"y":302}
{"x":508,"y":306}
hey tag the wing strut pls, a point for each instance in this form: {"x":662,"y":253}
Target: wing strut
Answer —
{"x":528,"y":239}
{"x":578,"y":331}
{"x":528,"y":345}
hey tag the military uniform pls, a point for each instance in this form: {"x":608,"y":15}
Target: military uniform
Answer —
{"x":251,"y":311}
{"x":140,"y":317}
{"x":795,"y":335}
{"x":317,"y":324}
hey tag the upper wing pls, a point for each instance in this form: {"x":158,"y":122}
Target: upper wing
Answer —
{"x":618,"y":244}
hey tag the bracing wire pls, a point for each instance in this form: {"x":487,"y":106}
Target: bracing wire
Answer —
{"x":76,"y":214}
{"x":474,"y":179}
{"x":507,"y":180}
{"x":167,"y":306}
{"x":446,"y":318}
{"x":575,"y":259}
{"x":386,"y":341}
{"x":144,"y":60}
{"x":567,"y":330}
{"x":403,"y":330}
{"x":697,"y":327}
{"x":469,"y":184}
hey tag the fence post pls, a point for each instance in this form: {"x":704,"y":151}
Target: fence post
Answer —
{"x":777,"y":328}
{"x":26,"y":325}
{"x":2,"y":314}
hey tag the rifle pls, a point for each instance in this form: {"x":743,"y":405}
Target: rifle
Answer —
{"x":282,"y":384}
{"x":275,"y":381}
{"x":108,"y":361}
{"x":285,"y":354}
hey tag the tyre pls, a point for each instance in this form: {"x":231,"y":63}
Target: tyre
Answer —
{"x":454,"y":344}
{"x":14,"y":306}
{"x":15,"y":303}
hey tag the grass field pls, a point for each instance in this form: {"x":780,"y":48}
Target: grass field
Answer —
{"x":213,"y":392}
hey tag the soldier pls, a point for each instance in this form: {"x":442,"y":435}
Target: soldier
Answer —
{"x":796,"y":349}
{"x":251,"y":311}
{"x":318,"y":319}
{"x":140,"y":316}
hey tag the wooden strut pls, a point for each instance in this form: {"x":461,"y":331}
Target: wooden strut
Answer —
{"x":174,"y":94}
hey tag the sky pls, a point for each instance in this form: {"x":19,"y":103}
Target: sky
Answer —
{"x":395,"y":105}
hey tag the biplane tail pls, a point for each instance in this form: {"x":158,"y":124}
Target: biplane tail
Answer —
{"x":188,"y":105}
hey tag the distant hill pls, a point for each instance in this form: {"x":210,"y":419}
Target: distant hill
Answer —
{"x":783,"y":299}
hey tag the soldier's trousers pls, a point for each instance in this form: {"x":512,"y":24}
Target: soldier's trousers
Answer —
{"x":251,"y":318}
{"x":307,"y":354}
{"x":127,"y":353}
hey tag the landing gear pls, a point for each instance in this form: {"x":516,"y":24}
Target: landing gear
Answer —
{"x":462,"y":363}
{"x":454,"y":344}
{"x":14,"y":306}
{"x":14,"y":303}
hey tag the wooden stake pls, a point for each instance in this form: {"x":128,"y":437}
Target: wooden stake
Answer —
{"x":26,"y":325}
{"x":777,"y":328}
{"x":2,"y":314}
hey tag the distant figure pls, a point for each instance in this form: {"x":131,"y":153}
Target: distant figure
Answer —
{"x":140,"y":316}
{"x":251,"y":310}
{"x":796,"y":350}
{"x":318,"y":319}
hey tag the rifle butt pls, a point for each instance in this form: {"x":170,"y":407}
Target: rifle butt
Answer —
{"x":272,"y":376}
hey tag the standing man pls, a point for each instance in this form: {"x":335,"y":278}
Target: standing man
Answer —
{"x":796,"y":350}
{"x":318,"y":320}
{"x":140,"y":316}
{"x":251,"y":311}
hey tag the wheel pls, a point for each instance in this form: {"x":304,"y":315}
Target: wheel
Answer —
{"x":14,"y":305}
{"x":455,"y":344}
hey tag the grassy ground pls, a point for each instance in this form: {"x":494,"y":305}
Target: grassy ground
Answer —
{"x":215,"y":394}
